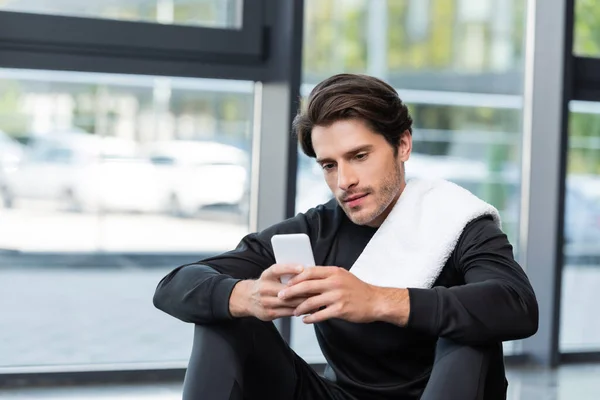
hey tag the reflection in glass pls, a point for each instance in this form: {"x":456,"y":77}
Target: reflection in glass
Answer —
{"x":581,"y":250}
{"x":208,"y":13}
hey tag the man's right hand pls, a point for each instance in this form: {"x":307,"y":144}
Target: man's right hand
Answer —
{"x":258,"y":298}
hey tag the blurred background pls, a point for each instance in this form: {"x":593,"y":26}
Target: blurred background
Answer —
{"x":138,"y":135}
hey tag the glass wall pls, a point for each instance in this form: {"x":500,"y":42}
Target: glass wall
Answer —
{"x":209,"y":13}
{"x":112,"y":164}
{"x":581,"y":272}
{"x":458,"y":64}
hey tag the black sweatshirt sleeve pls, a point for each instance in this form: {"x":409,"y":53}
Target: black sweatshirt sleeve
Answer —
{"x":495,"y":303}
{"x":199,"y":292}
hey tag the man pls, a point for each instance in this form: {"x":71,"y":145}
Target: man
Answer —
{"x":379,"y":340}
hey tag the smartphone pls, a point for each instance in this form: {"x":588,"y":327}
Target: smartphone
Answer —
{"x":293,"y":248}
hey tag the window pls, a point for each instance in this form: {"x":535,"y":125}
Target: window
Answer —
{"x":581,"y":249}
{"x":83,"y":171}
{"x":405,"y":41}
{"x":207,"y":13}
{"x":458,"y":65}
{"x":587,"y":28}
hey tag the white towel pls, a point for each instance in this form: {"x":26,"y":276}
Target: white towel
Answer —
{"x":412,"y":245}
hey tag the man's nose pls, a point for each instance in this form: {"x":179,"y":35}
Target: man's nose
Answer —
{"x":347,"y":178}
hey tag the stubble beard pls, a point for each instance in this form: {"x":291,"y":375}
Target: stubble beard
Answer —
{"x":384,"y":196}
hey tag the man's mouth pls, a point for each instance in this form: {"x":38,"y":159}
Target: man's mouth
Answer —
{"x":355,"y":200}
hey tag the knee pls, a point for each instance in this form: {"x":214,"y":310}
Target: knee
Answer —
{"x":229,"y":341}
{"x":459,"y":369}
{"x":449,"y":348}
{"x":209,"y":335}
{"x":455,"y":358}
{"x":231,"y":334}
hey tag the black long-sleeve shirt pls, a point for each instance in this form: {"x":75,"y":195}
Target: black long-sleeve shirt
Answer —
{"x":482,"y":296}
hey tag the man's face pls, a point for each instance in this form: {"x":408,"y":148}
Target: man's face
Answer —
{"x":361,"y":169}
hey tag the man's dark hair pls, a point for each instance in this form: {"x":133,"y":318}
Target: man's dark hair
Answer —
{"x":350,"y":96}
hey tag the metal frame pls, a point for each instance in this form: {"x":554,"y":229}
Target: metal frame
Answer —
{"x":555,"y":78}
{"x":136,"y":374}
{"x":585,"y":82}
{"x":542,"y":170}
{"x":68,"y":43}
{"x":105,"y":260}
{"x":91,"y":35}
{"x":581,"y":82}
{"x":580,"y":357}
{"x":279,"y":101}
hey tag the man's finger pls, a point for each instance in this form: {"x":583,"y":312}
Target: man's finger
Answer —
{"x":280,"y":312}
{"x":321,"y":315}
{"x":304,"y":289}
{"x":314,"y":303}
{"x":275,"y":271}
{"x":270,"y":287}
{"x":293,"y":302}
{"x":313,"y":273}
{"x":274,"y":302}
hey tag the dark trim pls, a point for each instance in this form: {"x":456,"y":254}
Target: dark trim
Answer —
{"x":64,"y":43}
{"x":581,"y":82}
{"x":104,"y":260}
{"x":287,"y":68}
{"x":295,"y":80}
{"x":580,"y":357}
{"x":586,"y":82}
{"x":562,"y":175}
{"x":50,"y":379}
{"x":56,"y":33}
{"x":126,"y":64}
{"x":543,"y":252}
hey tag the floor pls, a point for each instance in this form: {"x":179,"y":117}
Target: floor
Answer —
{"x":570,"y":382}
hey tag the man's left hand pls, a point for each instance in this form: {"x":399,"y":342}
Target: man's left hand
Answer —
{"x":332,"y":292}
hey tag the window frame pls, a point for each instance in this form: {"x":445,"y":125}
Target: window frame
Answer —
{"x":43,"y":41}
{"x":267,"y":50}
{"x":145,"y":39}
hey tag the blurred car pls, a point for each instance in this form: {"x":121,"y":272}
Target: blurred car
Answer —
{"x":11,"y":153}
{"x":83,"y":172}
{"x":197,"y":174}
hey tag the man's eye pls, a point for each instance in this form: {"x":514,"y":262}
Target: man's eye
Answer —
{"x":327,"y":166}
{"x":361,"y":156}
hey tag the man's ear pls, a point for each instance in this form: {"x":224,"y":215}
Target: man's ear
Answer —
{"x":405,"y":146}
